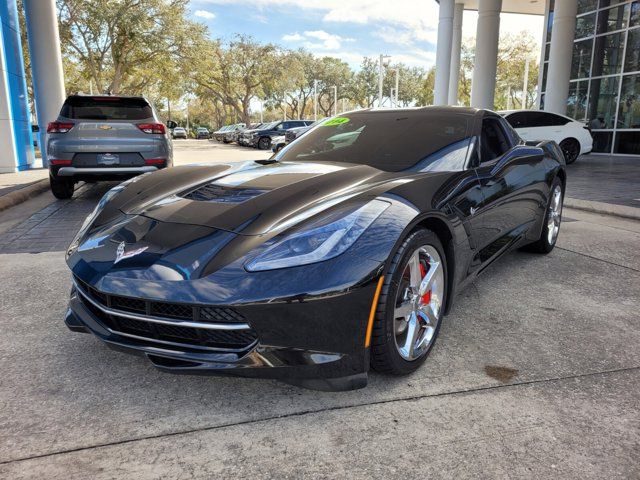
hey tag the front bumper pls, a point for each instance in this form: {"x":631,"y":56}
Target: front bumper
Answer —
{"x":315,"y":343}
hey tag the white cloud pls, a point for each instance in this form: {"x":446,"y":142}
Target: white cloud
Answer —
{"x":206,"y":14}
{"x":327,"y":40}
{"x":292,"y":37}
{"x":317,"y":40}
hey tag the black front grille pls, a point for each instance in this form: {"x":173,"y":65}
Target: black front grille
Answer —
{"x":220,"y":315}
{"x":181,"y":311}
{"x":172,"y":310}
{"x":128,"y":304}
{"x":167,"y":332}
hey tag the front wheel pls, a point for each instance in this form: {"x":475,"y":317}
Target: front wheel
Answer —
{"x":264,"y":143}
{"x":411,"y":305}
{"x":61,"y":188}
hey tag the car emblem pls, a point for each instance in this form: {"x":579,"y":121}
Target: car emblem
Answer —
{"x":122,"y":255}
{"x":105,"y":127}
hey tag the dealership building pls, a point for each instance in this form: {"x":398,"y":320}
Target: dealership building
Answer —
{"x":590,"y":67}
{"x":590,"y":62}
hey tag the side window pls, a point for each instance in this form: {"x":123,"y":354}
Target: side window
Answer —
{"x":556,"y":120}
{"x":515,"y":138}
{"x":517,"y":120}
{"x":279,"y":126}
{"x":535,"y":119}
{"x":494,"y":141}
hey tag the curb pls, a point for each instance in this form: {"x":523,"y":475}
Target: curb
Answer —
{"x":603,"y":208}
{"x":23,"y":194}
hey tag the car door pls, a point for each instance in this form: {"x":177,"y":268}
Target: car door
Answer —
{"x":511,"y":188}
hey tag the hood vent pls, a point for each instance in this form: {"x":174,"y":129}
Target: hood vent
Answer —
{"x":223,"y":194}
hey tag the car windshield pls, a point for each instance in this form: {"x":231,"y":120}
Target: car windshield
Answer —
{"x":106,"y":108}
{"x":388,"y":140}
{"x":268,"y":126}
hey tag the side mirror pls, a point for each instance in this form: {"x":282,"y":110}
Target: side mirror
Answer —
{"x":171,"y":124}
{"x":35,"y":128}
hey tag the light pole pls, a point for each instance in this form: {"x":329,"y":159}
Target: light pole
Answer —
{"x":284,"y":107}
{"x":525,"y":84}
{"x":261,"y":110}
{"x":315,"y":100}
{"x":335,"y":100}
{"x":397,"y":86}
{"x":383,"y":61}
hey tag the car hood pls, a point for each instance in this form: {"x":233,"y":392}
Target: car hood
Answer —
{"x":250,"y":198}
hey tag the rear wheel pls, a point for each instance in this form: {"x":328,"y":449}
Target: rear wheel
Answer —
{"x":61,"y":188}
{"x":553,"y":218}
{"x":571,"y":149}
{"x":411,"y":305}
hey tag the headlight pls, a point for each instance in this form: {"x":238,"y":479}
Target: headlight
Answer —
{"x":96,"y":211}
{"x":320,"y":240}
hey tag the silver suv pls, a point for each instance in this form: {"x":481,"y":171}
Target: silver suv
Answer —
{"x":104,"y":138}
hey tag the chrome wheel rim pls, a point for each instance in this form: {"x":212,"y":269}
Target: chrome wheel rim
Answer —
{"x":418,"y":303}
{"x":555,"y":215}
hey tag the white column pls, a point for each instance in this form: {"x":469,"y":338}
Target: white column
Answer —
{"x":443,"y":52}
{"x":483,"y":85}
{"x":456,"y":46}
{"x":46,"y":63}
{"x":562,"y":33}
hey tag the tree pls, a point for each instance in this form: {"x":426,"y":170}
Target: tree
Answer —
{"x":237,"y":72}
{"x":128,"y":46}
{"x":363,"y":88}
{"x":513,"y":51}
{"x":410,"y":84}
{"x":425,"y":94}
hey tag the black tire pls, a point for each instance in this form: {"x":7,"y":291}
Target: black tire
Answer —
{"x":264,"y":143}
{"x":61,"y":188}
{"x":571,"y":149}
{"x":385,"y":357}
{"x":544,"y":244}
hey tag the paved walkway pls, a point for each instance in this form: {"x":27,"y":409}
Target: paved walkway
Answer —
{"x":603,"y":178}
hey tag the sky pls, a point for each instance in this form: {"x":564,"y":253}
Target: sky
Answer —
{"x":347,"y":29}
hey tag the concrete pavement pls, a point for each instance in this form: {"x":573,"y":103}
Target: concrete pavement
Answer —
{"x":536,"y":374}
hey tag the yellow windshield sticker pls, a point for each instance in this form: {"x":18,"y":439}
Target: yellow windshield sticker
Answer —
{"x":332,"y":122}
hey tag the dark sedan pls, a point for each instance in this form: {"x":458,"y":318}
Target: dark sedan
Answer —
{"x":342,"y":252}
{"x":261,"y":137}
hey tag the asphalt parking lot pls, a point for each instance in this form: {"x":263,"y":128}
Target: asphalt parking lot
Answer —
{"x":536,"y":374}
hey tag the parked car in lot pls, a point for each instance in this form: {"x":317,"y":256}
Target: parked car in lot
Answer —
{"x":179,"y":132}
{"x":261,"y":137}
{"x":104,"y":138}
{"x":573,"y":137}
{"x":293,"y":133}
{"x":219,"y":134}
{"x":244,"y":135}
{"x":231,"y":134}
{"x":341,"y":253}
{"x":202,"y":132}
{"x":278,"y":143}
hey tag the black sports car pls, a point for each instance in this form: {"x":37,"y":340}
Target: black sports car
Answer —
{"x":343,"y":251}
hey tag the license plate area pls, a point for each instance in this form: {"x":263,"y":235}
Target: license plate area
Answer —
{"x":108,"y":159}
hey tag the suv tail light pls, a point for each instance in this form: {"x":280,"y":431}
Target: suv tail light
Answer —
{"x":59,"y":127}
{"x":152,"y":127}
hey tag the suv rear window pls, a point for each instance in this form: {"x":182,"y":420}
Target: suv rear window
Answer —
{"x":106,"y":108}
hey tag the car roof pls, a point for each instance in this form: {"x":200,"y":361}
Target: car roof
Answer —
{"x":504,"y":113}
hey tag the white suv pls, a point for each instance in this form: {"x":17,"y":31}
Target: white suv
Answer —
{"x":573,"y":137}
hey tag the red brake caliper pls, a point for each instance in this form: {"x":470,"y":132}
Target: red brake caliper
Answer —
{"x":426,"y":298}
